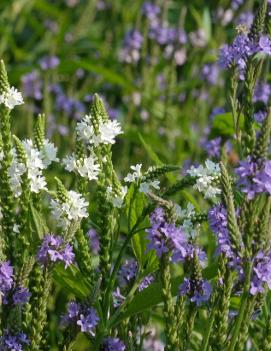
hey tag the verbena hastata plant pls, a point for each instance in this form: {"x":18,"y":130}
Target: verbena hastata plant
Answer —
{"x":152,"y":269}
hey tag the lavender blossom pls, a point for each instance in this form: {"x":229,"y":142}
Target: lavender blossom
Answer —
{"x":209,"y":73}
{"x":127,"y":272}
{"x":145,"y":282}
{"x":260,"y":116}
{"x":113,"y":344}
{"x":130,"y":52}
{"x":247,"y":172}
{"x":198,"y":292}
{"x":118,"y":298}
{"x":165,"y":237}
{"x":262,"y":92}
{"x":93,"y":240}
{"x":6,"y":277}
{"x":245,"y":19}
{"x":53,"y":249}
{"x":150,"y":10}
{"x":87,"y":321}
{"x":21,"y":296}
{"x":261,"y":273}
{"x":32,"y":85}
{"x":13,"y":342}
{"x":49,"y":62}
{"x":212,"y":147}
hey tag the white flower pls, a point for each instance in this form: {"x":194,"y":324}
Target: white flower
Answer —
{"x":48,"y":153}
{"x":74,"y":209}
{"x":35,"y":164}
{"x":11,"y":98}
{"x":145,"y":187}
{"x":16,"y":228}
{"x":108,"y":131}
{"x":88,"y":168}
{"x":131,"y":177}
{"x":70,"y":163}
{"x":15,"y":172}
{"x":85,"y":131}
{"x":116,"y":199}
{"x":205,"y":179}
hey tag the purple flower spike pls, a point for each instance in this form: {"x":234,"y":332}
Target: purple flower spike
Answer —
{"x":21,"y":296}
{"x":53,"y":249}
{"x":49,"y":62}
{"x":88,"y":321}
{"x":6,"y":277}
{"x":113,"y":344}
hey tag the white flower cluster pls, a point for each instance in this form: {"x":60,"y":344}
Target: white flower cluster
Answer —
{"x":86,"y":167}
{"x":206,"y":178}
{"x":186,"y":216}
{"x":11,"y":98}
{"x":116,"y":199}
{"x":136,"y":175}
{"x":72,"y":210}
{"x":36,"y":162}
{"x":107,"y":131}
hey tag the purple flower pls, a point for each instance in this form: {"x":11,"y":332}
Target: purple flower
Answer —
{"x":217,"y":218}
{"x":212,"y":147}
{"x":93,"y":240}
{"x":113,"y":344}
{"x":21,"y":296}
{"x":248,"y":172}
{"x":164,"y":237}
{"x":209,"y":73}
{"x":13,"y":342}
{"x":145,"y":282}
{"x":127,"y":272}
{"x":6,"y":277}
{"x":117,"y":298}
{"x":88,"y":321}
{"x":264,"y":44}
{"x":262,"y":92}
{"x":131,"y":47}
{"x":198,"y":291}
{"x":263,"y":178}
{"x":73,"y":311}
{"x":245,"y":19}
{"x":32,"y":85}
{"x":261,"y":273}
{"x":260,"y":116}
{"x":236,"y":4}
{"x":150,"y":10}
{"x":216,"y":111}
{"x":53,"y":249}
{"x":49,"y":62}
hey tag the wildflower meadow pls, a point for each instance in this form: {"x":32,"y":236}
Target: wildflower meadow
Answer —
{"x":135,"y":175}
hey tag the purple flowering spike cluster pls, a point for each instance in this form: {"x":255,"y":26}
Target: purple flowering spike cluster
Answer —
{"x":32,"y":85}
{"x":253,"y":180}
{"x":130,"y":52}
{"x":49,"y":62}
{"x":166,"y":237}
{"x":145,"y":282}
{"x":6,"y":277}
{"x":262,"y":92}
{"x":198,"y":292}
{"x":113,"y":344}
{"x":127,"y":272}
{"x":13,"y":342}
{"x":261,"y":273}
{"x":210,"y":73}
{"x":21,"y":296}
{"x":93,"y":241}
{"x":85,"y":318}
{"x":212,"y":146}
{"x":53,"y":249}
{"x":241,"y":49}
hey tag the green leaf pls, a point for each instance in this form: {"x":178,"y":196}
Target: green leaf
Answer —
{"x":38,"y":224}
{"x":72,"y":280}
{"x":223,"y":125}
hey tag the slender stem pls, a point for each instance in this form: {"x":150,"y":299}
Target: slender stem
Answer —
{"x":242,"y":309}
